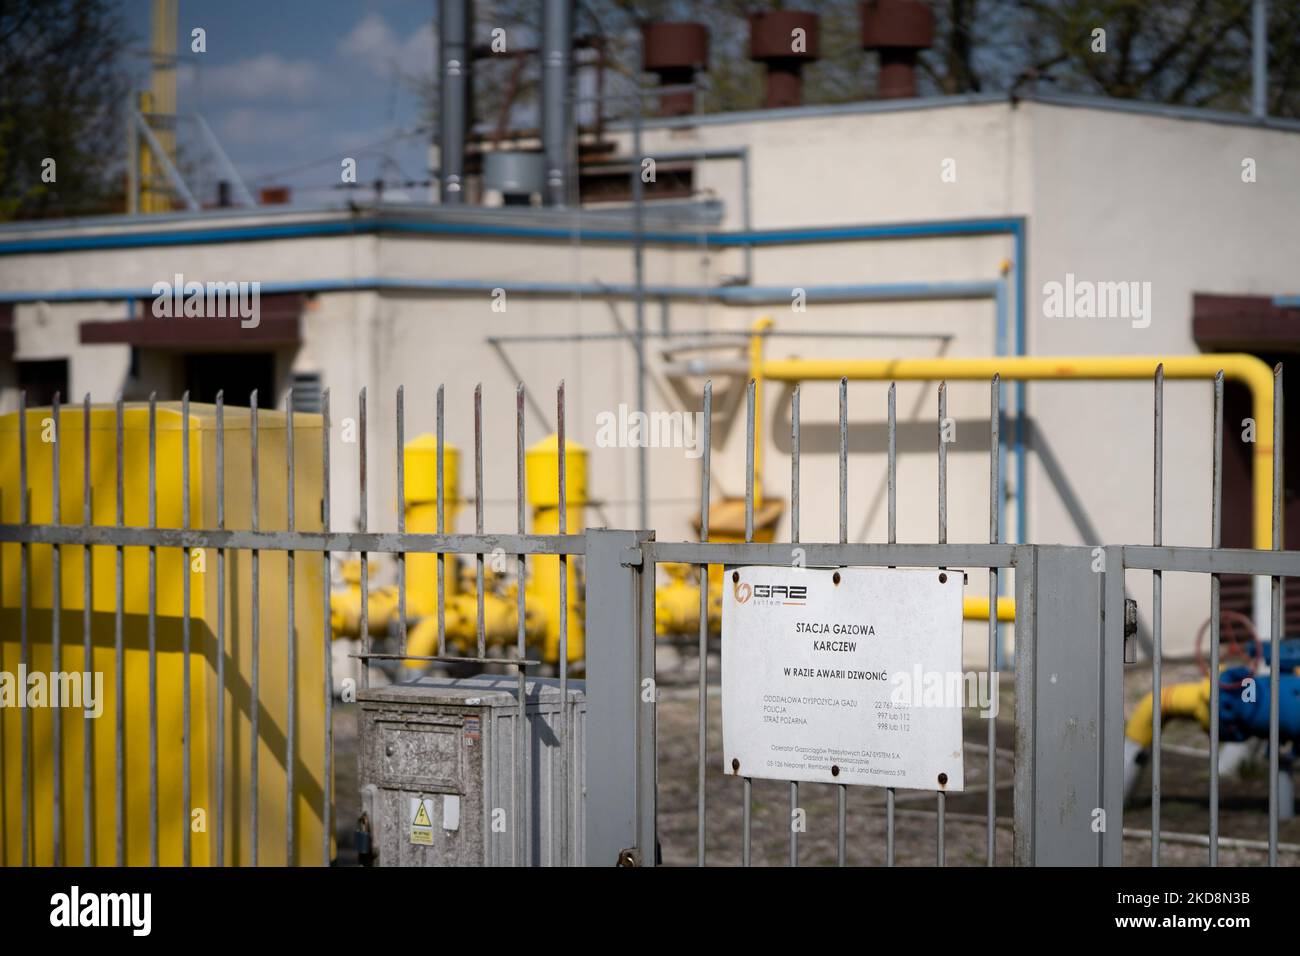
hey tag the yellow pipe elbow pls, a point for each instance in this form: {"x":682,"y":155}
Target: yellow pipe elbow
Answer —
{"x":1237,"y":367}
{"x":1190,"y":701}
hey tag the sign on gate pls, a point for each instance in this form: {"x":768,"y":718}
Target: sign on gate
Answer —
{"x":843,"y":676}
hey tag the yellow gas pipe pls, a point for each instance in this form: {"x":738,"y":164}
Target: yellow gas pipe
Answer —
{"x":1239,"y":367}
{"x":500,"y":597}
{"x":421,"y":506}
{"x":542,"y":471}
{"x":1190,"y":701}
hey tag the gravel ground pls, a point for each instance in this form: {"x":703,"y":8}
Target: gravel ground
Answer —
{"x":1184,"y":804}
{"x":1184,"y":809}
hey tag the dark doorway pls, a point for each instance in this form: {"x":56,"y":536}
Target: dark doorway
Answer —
{"x":1253,"y":324}
{"x":1239,"y":462}
{"x":41,"y":379}
{"x":235,"y":373}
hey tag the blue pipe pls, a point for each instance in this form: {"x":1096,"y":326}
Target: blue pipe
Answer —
{"x":740,"y":238}
{"x":1014,"y":226}
{"x":731,"y":295}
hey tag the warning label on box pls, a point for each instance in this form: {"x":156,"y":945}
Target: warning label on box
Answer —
{"x":422,"y":821}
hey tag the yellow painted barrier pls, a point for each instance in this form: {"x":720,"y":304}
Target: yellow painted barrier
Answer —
{"x":174,"y":818}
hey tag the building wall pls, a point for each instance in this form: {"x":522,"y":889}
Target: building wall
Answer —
{"x":1107,"y":195}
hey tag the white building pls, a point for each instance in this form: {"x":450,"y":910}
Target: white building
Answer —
{"x":1003,"y":199}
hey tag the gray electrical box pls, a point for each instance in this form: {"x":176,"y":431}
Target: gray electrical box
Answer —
{"x":442,"y":765}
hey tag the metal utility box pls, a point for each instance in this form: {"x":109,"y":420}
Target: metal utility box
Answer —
{"x":442,"y":765}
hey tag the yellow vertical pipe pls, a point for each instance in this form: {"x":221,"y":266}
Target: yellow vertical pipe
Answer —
{"x":421,"y":506}
{"x":158,"y":105}
{"x":756,"y":340}
{"x":144,"y":181}
{"x":542,"y":468}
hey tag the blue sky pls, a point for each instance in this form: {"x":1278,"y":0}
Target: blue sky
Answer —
{"x":290,"y":87}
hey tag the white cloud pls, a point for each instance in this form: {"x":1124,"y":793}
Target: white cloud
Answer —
{"x":374,"y":43}
{"x":258,"y":126}
{"x":264,"y":77}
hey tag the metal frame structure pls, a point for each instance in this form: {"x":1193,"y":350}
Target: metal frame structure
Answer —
{"x":1071,"y":631}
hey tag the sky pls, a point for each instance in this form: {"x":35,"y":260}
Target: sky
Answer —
{"x":291,"y":87}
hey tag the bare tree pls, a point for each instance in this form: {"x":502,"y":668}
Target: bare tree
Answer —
{"x":62,"y":86}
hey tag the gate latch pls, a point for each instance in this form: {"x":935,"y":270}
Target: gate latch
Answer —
{"x":1130,"y":630}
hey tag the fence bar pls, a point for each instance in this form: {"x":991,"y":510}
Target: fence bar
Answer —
{"x":750,"y":398}
{"x":892,"y":461}
{"x":705,"y":474}
{"x":153,"y":632}
{"x":794,"y":540}
{"x":1216,"y":528}
{"x":749,"y":536}
{"x":1157,"y":609}
{"x":401,"y":516}
{"x":291,"y":651}
{"x":327,"y":637}
{"x":1110,"y":707}
{"x":647,"y":711}
{"x":943,"y":464}
{"x":842,"y":791}
{"x":24,"y":574}
{"x":255,"y":703}
{"x":995,"y":533}
{"x":561,"y":448}
{"x":387,"y":542}
{"x":520,"y":801}
{"x":119,"y":655}
{"x":478,"y":518}
{"x":187,"y":792}
{"x":87,"y":650}
{"x":868,"y":555}
{"x":1210,"y":561}
{"x":56,"y":636}
{"x":1275,"y":628}
{"x":442,"y":528}
{"x":892,"y":482}
{"x":221,"y":632}
{"x":941,"y":797}
{"x":365,"y":526}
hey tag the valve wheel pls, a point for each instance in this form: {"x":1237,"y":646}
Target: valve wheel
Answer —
{"x":1237,"y":625}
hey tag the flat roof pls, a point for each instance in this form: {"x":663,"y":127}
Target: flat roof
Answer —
{"x":226,"y":224}
{"x":1074,"y":100}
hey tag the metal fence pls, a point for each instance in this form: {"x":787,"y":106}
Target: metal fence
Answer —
{"x":1066,"y":624}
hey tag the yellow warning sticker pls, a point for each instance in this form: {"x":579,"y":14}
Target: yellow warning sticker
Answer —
{"x":421,"y":817}
{"x":422,"y":821}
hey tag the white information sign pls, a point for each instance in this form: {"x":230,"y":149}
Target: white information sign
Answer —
{"x":850,"y":676}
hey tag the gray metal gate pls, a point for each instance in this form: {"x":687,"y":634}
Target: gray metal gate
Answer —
{"x":1075,"y":630}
